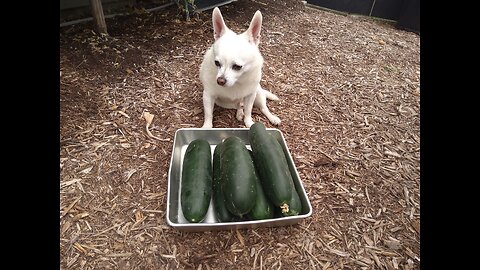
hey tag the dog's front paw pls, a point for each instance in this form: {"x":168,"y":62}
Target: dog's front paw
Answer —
{"x":248,"y":122}
{"x":207,"y":125}
{"x":240,"y":114}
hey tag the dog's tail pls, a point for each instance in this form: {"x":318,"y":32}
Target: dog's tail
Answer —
{"x":270,"y":95}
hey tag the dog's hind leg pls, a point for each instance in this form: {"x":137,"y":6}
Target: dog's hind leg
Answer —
{"x":261,"y":103}
{"x":271,"y":117}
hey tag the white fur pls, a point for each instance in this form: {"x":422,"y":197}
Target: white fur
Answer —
{"x":235,"y":83}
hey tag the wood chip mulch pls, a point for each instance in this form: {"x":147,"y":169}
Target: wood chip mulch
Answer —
{"x":349,"y":89}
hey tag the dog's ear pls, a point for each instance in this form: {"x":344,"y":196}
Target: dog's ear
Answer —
{"x":219,"y":26}
{"x":253,"y":31}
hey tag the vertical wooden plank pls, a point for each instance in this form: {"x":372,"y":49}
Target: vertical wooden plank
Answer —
{"x":98,"y":16}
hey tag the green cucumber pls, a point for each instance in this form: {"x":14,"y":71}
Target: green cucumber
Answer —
{"x":196,"y":185}
{"x":294,"y":206}
{"x":238,"y":177}
{"x":272,"y":166}
{"x":221,"y":211}
{"x":263,"y":208}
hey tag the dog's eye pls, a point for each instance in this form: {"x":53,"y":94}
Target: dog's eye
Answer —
{"x":236,"y":67}
{"x":217,"y":63}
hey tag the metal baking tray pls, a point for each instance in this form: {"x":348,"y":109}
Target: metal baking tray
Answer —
{"x":214,"y":136}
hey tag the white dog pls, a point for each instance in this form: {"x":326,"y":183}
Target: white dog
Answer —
{"x":231,"y":71}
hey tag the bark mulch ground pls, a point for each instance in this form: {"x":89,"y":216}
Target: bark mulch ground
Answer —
{"x":349,"y":89}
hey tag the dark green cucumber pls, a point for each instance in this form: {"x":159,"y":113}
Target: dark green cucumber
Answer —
{"x":263,"y":208}
{"x":221,"y":211}
{"x":196,"y":189}
{"x":272,"y":166}
{"x":238,"y":177}
{"x":295,"y":205}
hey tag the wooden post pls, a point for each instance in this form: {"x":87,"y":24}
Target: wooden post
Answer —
{"x":98,"y":16}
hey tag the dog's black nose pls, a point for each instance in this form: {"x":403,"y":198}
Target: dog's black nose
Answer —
{"x":221,"y":81}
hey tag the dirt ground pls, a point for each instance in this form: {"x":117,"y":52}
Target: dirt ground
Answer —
{"x":349,"y":90}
